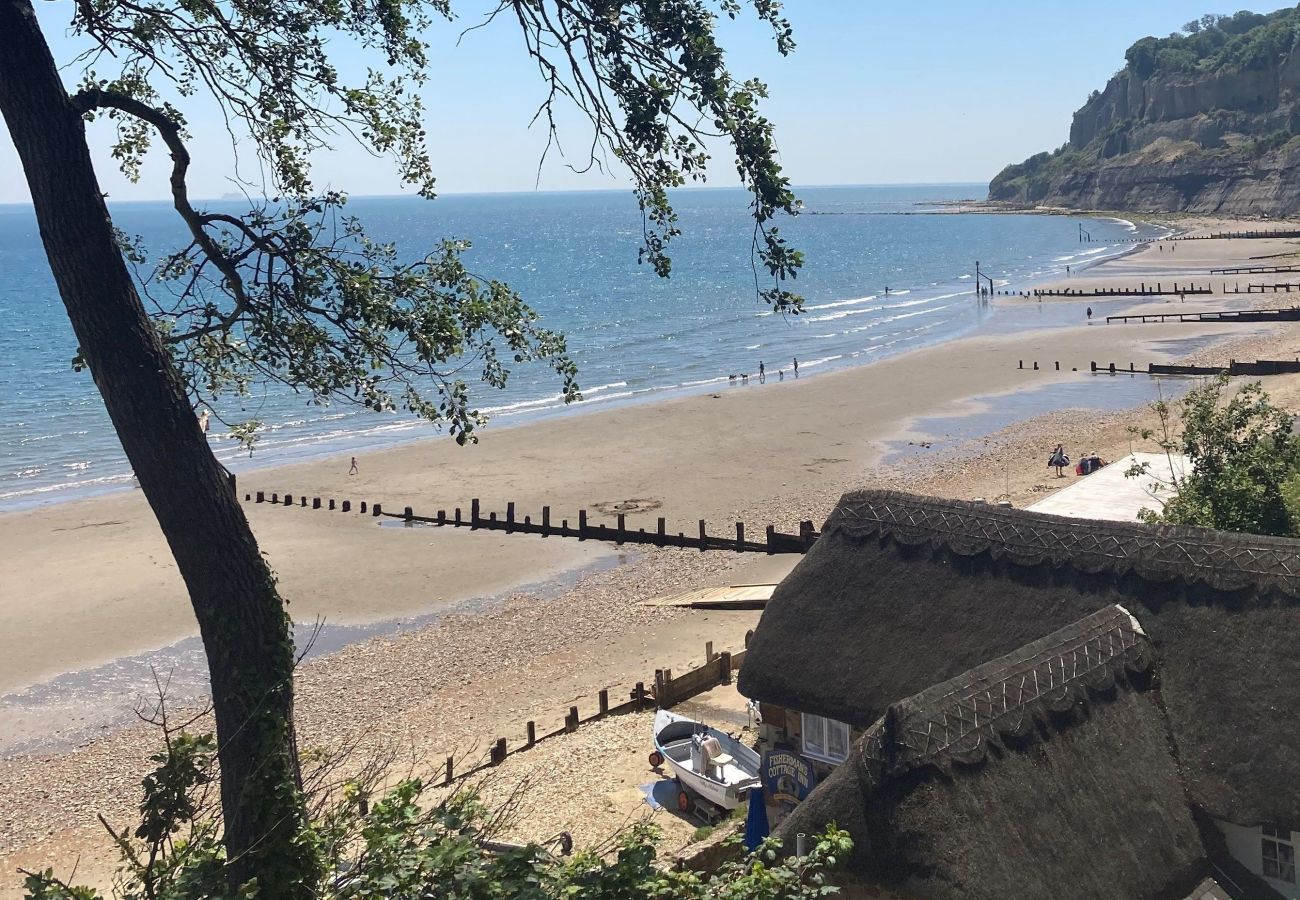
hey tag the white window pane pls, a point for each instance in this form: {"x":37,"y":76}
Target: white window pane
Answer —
{"x":837,"y":740}
{"x":814,"y":740}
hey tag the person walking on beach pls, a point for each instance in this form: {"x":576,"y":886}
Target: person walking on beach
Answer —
{"x":1058,"y":460}
{"x":1089,"y":313}
{"x":352,"y":469}
{"x":796,"y":367}
{"x":762,"y":373}
{"x":1067,"y":270}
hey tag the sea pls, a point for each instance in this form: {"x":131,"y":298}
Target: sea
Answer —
{"x":573,"y":256}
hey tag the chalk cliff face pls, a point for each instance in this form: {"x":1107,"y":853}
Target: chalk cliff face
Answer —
{"x":1217,"y":139}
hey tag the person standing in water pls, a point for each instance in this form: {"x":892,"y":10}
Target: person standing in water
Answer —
{"x":762,"y":373}
{"x":796,"y":367}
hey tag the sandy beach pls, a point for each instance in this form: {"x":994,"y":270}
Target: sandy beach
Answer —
{"x":480,"y":631}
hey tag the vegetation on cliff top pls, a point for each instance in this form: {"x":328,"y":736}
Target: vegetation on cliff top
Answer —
{"x":1213,"y":43}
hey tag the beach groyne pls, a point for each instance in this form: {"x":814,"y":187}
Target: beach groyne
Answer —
{"x":773,"y":541}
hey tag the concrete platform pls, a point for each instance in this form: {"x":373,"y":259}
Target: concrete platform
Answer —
{"x":1109,"y":495}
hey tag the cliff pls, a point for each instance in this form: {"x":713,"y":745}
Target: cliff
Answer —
{"x":1204,"y":121}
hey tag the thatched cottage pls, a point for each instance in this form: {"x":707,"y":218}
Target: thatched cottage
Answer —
{"x":1010,"y":704}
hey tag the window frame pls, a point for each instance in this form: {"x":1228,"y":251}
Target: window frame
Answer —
{"x":1277,"y":850}
{"x":820,"y":749}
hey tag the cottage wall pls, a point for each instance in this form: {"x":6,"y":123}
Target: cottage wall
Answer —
{"x":1246,"y":844}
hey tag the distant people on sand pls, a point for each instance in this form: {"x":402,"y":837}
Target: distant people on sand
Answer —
{"x":1058,"y":461}
{"x":762,"y":372}
{"x":352,"y":469}
{"x":780,"y":374}
{"x":796,"y":367}
{"x":1089,"y":313}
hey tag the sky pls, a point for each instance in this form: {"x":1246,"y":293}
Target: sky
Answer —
{"x":876,"y":92}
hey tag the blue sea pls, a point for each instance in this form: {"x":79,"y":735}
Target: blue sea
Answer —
{"x":573,"y":256}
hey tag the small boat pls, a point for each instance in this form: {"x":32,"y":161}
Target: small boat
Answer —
{"x":706,"y":762}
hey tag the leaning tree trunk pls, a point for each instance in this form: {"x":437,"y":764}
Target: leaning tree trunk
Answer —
{"x":245,"y":629}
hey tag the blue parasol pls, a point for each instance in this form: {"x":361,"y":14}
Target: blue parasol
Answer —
{"x":756,"y":827}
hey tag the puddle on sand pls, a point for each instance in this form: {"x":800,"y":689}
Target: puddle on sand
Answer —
{"x":1086,"y":391}
{"x":76,"y":707}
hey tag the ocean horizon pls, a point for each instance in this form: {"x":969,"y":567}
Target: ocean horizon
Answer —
{"x":573,"y":257}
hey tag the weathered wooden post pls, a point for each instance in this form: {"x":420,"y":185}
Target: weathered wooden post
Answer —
{"x":376,"y":510}
{"x":724,"y":666}
{"x":708,"y":651}
{"x":603,"y":698}
{"x":315,"y":502}
{"x":510,"y":516}
{"x":571,"y":721}
{"x":546,"y":521}
{"x":740,"y":537}
{"x":660,"y":526}
{"x":1035,"y":365}
{"x":638,"y":694}
{"x":261,"y":497}
{"x":531,"y":728}
{"x":451,"y":762}
{"x":703,"y":537}
{"x":458,"y":519}
{"x":362,"y":508}
{"x":473,"y":514}
{"x":332,"y":504}
{"x":771,"y":539}
{"x":347,"y":506}
{"x":442,"y":517}
{"x":499,"y":752}
{"x":408,"y":513}
{"x":288,"y":499}
{"x":582,"y":524}
{"x":622,"y":528}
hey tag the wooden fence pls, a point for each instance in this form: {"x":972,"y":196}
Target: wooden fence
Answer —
{"x":1257,"y":368}
{"x":1245,"y":315}
{"x":773,"y":540}
{"x":667,"y":691}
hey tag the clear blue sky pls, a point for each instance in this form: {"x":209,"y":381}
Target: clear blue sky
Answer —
{"x":877,"y":92}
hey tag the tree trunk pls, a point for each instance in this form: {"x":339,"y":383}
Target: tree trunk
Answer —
{"x":245,"y":628}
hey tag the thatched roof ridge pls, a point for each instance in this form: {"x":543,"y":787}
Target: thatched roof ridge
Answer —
{"x":1067,"y":790}
{"x":1225,"y":561}
{"x":954,"y":721}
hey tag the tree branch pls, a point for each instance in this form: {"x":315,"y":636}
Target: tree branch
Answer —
{"x":169,"y":130}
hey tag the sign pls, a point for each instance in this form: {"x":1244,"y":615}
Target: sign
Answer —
{"x":787,"y":778}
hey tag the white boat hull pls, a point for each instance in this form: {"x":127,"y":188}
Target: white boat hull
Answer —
{"x":725,"y":785}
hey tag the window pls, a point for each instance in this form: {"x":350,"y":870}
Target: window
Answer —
{"x":1279,"y":854}
{"x":825,"y":739}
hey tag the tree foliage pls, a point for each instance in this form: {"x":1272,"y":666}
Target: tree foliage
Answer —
{"x":1214,"y":43}
{"x":1244,"y":461}
{"x":405,"y":846}
{"x":294,"y":290}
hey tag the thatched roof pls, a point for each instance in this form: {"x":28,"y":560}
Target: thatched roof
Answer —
{"x":901,"y":592}
{"x":1045,"y":773}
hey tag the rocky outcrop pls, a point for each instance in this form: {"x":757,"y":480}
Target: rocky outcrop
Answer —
{"x":1219,"y":141}
{"x":1199,"y":182}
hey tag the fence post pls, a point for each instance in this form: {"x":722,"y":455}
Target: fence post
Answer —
{"x":582,"y":524}
{"x":362,"y":507}
{"x":408,"y":514}
{"x":473,"y":513}
{"x":499,"y":752}
{"x":546,"y":520}
{"x":442,"y":517}
{"x":531,"y":729}
{"x":603,"y":697}
{"x":724,"y":666}
{"x":261,"y":497}
{"x":450,"y":763}
{"x":708,"y":651}
{"x":660,"y":531}
{"x":376,"y":510}
{"x":771,"y":539}
{"x":347,"y":506}
{"x":638,"y":694}
{"x":703,"y":536}
{"x":622,"y":529}
{"x":288,"y":499}
{"x":510,"y":516}
{"x":571,"y":721}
